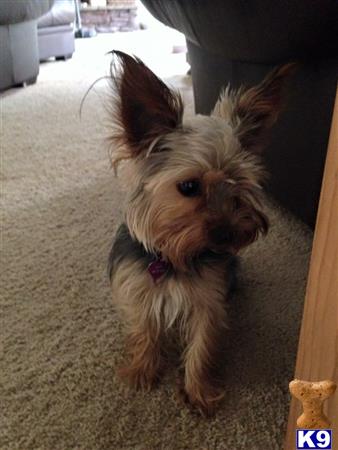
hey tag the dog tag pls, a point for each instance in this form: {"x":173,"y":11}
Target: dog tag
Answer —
{"x":157,"y":269}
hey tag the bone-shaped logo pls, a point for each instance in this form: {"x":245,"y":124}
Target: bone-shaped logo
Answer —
{"x":312,"y":396}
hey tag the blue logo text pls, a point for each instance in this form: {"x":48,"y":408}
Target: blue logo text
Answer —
{"x":315,"y":439}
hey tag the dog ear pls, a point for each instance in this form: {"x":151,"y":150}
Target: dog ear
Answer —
{"x":145,"y":107}
{"x":252,"y":112}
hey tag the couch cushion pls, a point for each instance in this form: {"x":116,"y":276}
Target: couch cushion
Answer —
{"x":62,"y":13}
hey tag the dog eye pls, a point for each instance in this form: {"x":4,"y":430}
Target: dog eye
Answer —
{"x":189,"y":188}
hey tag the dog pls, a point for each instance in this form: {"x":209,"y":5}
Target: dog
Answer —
{"x":194,"y":198}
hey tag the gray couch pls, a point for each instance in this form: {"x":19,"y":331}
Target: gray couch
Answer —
{"x":19,"y":58}
{"x":238,"y":42}
{"x":56,"y":31}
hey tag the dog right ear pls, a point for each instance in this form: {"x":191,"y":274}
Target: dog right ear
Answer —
{"x":252,"y":112}
{"x":145,"y":108}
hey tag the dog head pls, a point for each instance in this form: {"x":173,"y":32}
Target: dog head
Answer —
{"x":192,"y":185}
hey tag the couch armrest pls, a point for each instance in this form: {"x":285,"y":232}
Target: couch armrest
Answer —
{"x":62,"y":13}
{"x":22,"y":11}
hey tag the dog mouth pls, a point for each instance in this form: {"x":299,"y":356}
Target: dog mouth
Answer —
{"x":230,"y":238}
{"x":220,"y":236}
{"x":222,"y":240}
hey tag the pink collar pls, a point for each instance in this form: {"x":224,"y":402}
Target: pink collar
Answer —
{"x":158,"y":268}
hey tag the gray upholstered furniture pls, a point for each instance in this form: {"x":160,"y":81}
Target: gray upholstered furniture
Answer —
{"x":19,"y":59}
{"x":56,"y":31}
{"x":238,"y":42}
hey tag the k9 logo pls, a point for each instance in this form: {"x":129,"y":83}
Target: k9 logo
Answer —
{"x":316,"y":439}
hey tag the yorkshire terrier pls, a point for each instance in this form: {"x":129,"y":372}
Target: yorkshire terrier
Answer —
{"x":193,"y":200}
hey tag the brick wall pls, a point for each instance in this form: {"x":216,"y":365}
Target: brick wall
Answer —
{"x":119,"y":15}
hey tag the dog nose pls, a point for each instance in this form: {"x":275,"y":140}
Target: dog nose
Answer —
{"x":220,"y":235}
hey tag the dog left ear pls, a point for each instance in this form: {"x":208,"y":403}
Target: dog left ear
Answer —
{"x":146,"y":108}
{"x":253,"y":112}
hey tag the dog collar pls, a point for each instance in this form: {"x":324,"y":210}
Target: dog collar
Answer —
{"x":158,"y":268}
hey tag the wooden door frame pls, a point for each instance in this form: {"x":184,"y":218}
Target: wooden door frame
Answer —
{"x":317,"y":357}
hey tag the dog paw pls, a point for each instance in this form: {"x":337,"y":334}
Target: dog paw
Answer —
{"x":202,"y":398}
{"x":137,"y":377}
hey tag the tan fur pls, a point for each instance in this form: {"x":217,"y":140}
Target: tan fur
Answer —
{"x":196,"y":308}
{"x":204,"y":337}
{"x":162,"y":153}
{"x":252,"y":112}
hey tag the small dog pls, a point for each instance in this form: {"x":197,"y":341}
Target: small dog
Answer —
{"x":194,"y":199}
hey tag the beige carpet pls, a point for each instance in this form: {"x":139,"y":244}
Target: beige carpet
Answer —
{"x":60,"y":339}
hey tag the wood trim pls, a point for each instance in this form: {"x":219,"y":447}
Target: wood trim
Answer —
{"x":317,"y":357}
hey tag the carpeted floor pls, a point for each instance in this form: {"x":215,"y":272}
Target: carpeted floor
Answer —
{"x":60,"y":338}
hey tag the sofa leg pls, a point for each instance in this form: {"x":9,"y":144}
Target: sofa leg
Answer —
{"x":64,"y":57}
{"x":29,"y":82}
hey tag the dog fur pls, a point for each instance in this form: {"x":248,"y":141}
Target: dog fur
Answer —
{"x":193,"y":199}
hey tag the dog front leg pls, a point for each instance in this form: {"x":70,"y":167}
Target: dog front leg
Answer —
{"x":202,"y":356}
{"x":143,"y":349}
